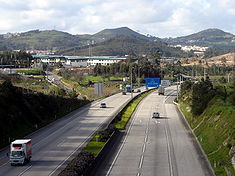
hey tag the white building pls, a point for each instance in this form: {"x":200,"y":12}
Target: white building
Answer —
{"x":49,"y":59}
{"x":79,"y":61}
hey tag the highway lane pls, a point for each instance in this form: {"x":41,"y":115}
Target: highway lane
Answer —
{"x":55,"y":143}
{"x":160,"y":146}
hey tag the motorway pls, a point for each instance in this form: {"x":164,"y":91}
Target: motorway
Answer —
{"x":151,"y":147}
{"x":54,"y":144}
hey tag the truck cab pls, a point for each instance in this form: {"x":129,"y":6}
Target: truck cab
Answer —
{"x":20,"y":151}
{"x":161,"y":90}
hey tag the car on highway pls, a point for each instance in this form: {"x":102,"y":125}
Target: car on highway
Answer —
{"x":138,"y":90}
{"x":156,"y":115}
{"x":103,"y":105}
{"x":123,"y":93}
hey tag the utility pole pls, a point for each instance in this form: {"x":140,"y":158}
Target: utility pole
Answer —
{"x":131,"y":83}
{"x":228,"y":77}
{"x":139,"y":76}
{"x":177,"y":88}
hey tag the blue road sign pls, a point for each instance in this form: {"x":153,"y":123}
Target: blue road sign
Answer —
{"x":152,"y":82}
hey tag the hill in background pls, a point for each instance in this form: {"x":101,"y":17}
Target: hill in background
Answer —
{"x":113,"y":42}
{"x":124,"y":45}
{"x":40,"y":40}
{"x":227,"y":60}
{"x":211,"y":37}
{"x":110,"y":33}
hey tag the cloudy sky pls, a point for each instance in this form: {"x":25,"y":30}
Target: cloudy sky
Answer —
{"x":162,"y":18}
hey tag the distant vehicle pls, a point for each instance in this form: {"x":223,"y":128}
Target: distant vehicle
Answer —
{"x":20,"y":151}
{"x":128,"y":88}
{"x":138,"y":90}
{"x":165,"y":83}
{"x":123,"y":93}
{"x":103,"y":105}
{"x":161,"y":90}
{"x":156,"y":115}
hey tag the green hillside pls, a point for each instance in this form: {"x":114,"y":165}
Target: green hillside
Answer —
{"x":41,"y":40}
{"x":124,"y":45}
{"x":210,"y":37}
{"x":111,"y":33}
{"x":24,"y":111}
{"x":215,"y":128}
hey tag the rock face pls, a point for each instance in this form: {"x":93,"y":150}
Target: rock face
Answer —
{"x":233,"y":161}
{"x":232,"y":151}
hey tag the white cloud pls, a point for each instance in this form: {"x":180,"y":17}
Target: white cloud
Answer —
{"x":156,"y":17}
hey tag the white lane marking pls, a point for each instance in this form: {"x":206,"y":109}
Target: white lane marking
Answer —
{"x":24,"y":170}
{"x":120,"y":149}
{"x":146,"y":138}
{"x":169,"y":152}
{"x":156,"y":122}
{"x":141,"y":161}
{"x":4,"y":164}
{"x":76,"y":149}
{"x":144,"y":147}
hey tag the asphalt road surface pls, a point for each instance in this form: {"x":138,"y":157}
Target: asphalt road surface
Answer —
{"x":54,"y":144}
{"x":156,"y":147}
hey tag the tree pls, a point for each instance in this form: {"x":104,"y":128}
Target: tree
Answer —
{"x":202,"y":93}
{"x":185,"y":87}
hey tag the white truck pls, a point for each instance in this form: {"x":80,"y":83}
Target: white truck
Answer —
{"x":161,"y":90}
{"x":20,"y":151}
{"x":165,"y":83}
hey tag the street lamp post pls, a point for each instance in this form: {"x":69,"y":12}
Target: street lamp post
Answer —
{"x":131,"y":83}
{"x":229,"y":77}
{"x":177,"y":88}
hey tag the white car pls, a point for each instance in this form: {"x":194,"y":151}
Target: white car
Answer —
{"x":103,"y":105}
{"x":156,"y":115}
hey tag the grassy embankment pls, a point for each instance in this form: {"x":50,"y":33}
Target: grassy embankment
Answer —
{"x":111,"y":86}
{"x":215,"y":130}
{"x":24,"y":108}
{"x":95,"y":146}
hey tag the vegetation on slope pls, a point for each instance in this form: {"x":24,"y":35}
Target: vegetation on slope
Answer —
{"x":214,"y":124}
{"x":23,"y":111}
{"x":211,"y":37}
{"x":124,"y":45}
{"x":41,"y":40}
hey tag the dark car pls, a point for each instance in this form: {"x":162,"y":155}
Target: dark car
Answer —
{"x":103,"y":105}
{"x":156,"y":115}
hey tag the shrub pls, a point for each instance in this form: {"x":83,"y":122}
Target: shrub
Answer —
{"x":105,"y":134}
{"x":80,"y":165}
{"x":202,"y":93}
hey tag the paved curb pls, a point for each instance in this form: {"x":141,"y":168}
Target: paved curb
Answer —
{"x":212,"y":172}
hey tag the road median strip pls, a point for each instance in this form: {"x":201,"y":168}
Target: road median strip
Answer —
{"x":100,"y":142}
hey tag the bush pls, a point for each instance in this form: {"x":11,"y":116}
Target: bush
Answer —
{"x":80,"y":165}
{"x":105,"y":134}
{"x":233,"y":94}
{"x":202,"y":93}
{"x":21,"y":110}
{"x":185,"y":87}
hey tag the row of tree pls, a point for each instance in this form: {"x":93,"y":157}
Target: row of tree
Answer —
{"x":17,"y":59}
{"x":202,"y":92}
{"x":23,"y":111}
{"x":138,"y":66}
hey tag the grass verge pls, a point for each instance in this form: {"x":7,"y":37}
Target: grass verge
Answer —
{"x":95,"y":145}
{"x":214,"y":129}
